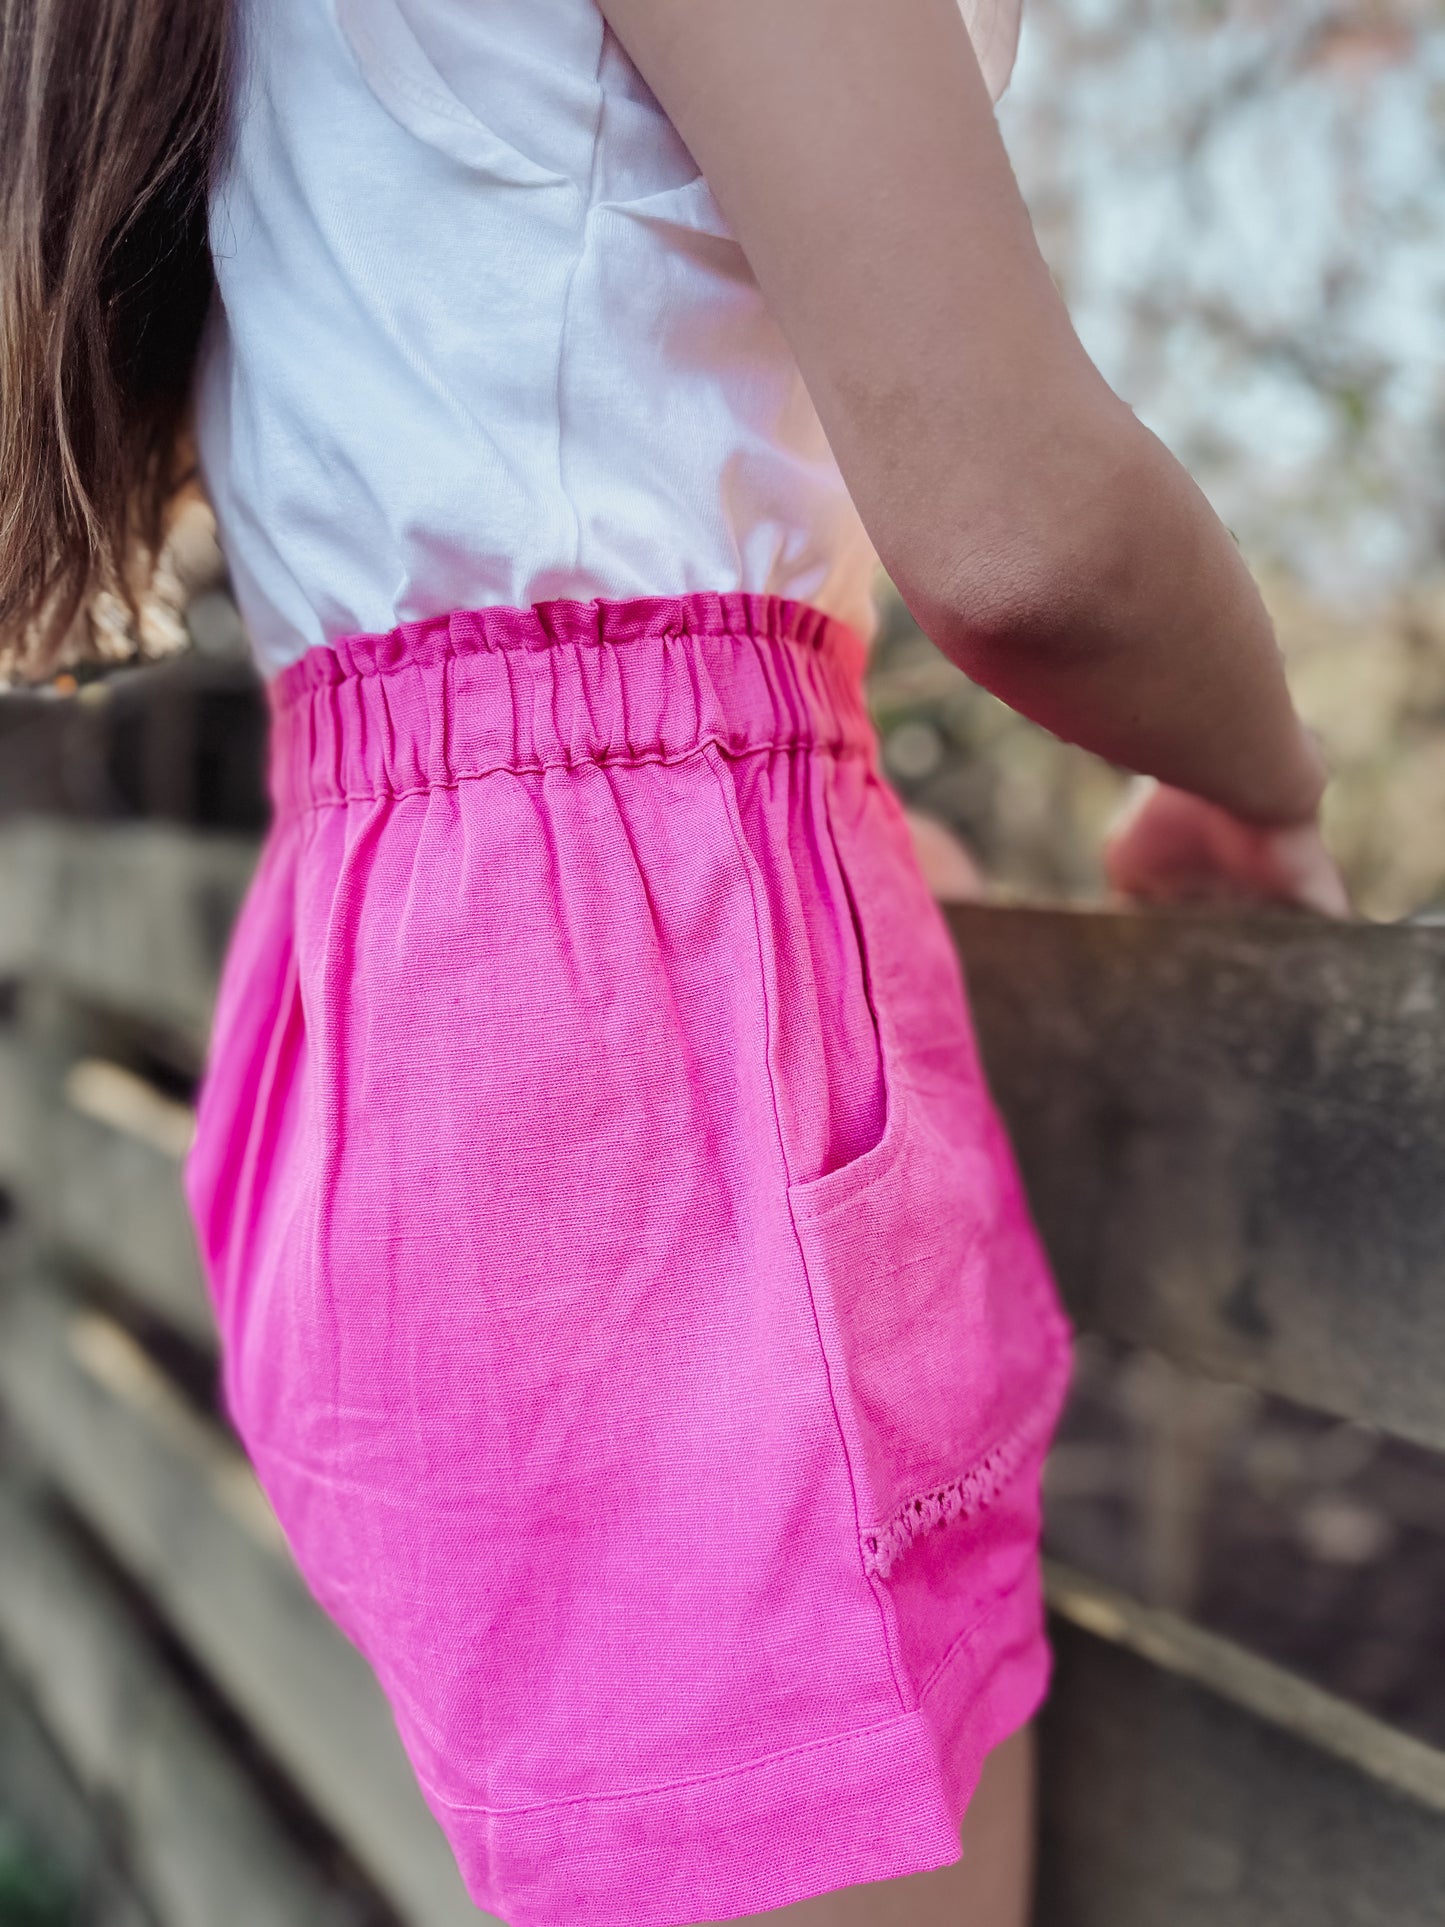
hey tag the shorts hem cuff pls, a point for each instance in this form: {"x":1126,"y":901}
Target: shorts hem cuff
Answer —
{"x":873,"y":1804}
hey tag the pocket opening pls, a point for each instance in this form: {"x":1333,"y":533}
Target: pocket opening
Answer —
{"x":817,"y":1196}
{"x":934,"y":1304}
{"x":867,"y":952}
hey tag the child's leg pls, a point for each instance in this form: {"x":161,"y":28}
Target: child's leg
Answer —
{"x":992,"y":1886}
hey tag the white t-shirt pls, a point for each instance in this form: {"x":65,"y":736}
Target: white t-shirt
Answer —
{"x":483,"y":335}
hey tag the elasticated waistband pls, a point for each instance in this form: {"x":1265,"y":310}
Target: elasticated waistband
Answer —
{"x":559,"y":684}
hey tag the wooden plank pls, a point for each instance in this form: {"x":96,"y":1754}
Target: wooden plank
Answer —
{"x":100,"y":1088}
{"x":180,"y":1508}
{"x":1232,"y":1135}
{"x":1166,"y":1805}
{"x":94,"y":1166}
{"x":199,"y":1841}
{"x":132,"y":916}
{"x":44,"y":1809}
{"x":27,"y":892}
{"x":1256,"y":1685}
{"x":14,"y":1111}
{"x":120,"y":1209}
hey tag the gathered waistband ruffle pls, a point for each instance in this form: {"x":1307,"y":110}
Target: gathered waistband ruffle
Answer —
{"x":562,"y":683}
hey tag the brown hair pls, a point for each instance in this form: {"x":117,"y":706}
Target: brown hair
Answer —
{"x":111,"y":118}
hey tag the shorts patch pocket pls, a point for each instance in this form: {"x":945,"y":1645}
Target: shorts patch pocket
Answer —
{"x":945,"y":1344}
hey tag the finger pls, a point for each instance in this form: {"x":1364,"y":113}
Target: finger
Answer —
{"x":1307,"y":873}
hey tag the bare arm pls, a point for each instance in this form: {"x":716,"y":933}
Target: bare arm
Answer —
{"x":1043,"y":537}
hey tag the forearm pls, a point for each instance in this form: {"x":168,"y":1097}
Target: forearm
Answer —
{"x":1045,"y":540}
{"x":1139,"y":634}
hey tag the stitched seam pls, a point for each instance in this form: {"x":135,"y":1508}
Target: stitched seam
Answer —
{"x":408,"y":86}
{"x":789,"y":624}
{"x":970,"y":1492}
{"x":393,"y":795}
{"x":297,"y":689}
{"x":679,"y":1786}
{"x":800,"y":1193}
{"x":417,"y":91}
{"x":786,"y":621}
{"x":813,"y":642}
{"x":745,"y":857}
{"x":763,"y":1760}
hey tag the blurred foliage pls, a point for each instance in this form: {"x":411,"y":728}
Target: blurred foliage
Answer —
{"x":1243,"y":203}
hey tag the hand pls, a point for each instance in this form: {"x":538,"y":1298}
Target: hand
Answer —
{"x":1168,"y":846}
{"x":947,"y":864}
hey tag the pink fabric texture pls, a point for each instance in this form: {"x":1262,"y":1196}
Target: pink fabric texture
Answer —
{"x":627,"y":1295}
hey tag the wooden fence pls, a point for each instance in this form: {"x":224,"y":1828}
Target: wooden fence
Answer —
{"x":1231,"y":1130}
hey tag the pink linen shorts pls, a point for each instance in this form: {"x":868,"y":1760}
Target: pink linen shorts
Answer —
{"x":627,"y":1296}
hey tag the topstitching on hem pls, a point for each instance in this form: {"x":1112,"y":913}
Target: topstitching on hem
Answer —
{"x":756,"y":1764}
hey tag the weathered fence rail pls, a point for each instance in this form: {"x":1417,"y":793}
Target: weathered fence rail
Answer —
{"x":110,"y":942}
{"x":1230,"y":1127}
{"x":1234,"y":1131}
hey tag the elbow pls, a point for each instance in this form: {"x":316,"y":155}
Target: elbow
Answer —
{"x":1041,"y":567}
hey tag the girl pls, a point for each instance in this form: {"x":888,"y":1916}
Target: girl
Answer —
{"x":626,"y":1293}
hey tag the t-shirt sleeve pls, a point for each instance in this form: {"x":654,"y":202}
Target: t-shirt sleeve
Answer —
{"x":993,"y":26}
